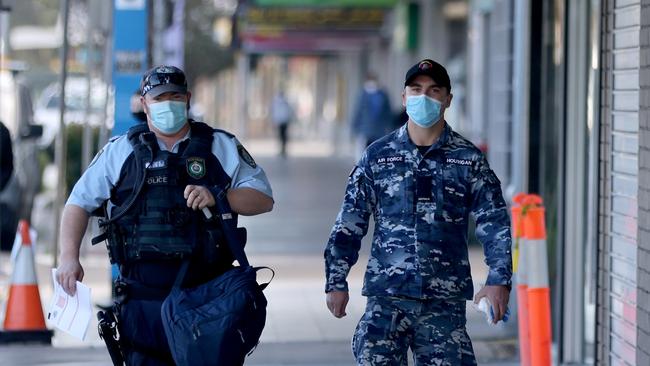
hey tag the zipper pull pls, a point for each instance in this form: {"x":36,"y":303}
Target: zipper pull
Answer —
{"x":196,"y":332}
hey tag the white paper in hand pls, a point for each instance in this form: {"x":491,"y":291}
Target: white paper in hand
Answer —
{"x":70,"y":314}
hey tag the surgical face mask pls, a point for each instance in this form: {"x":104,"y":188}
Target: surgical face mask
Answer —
{"x":424,"y":111}
{"x":370,"y":86}
{"x":168,"y":116}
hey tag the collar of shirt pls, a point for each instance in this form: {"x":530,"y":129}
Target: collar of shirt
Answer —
{"x":404,"y":139}
{"x":174,"y":148}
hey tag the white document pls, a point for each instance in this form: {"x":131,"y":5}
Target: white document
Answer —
{"x":70,"y":314}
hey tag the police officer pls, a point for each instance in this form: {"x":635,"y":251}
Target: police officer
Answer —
{"x":154,"y":183}
{"x":421,"y":183}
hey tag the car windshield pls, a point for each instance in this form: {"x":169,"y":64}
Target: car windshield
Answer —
{"x":75,"y":100}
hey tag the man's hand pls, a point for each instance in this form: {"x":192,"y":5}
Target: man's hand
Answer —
{"x":336,"y":302}
{"x":68,"y":273}
{"x":498,"y":296}
{"x":198,"y":197}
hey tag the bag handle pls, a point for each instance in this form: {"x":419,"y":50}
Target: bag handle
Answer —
{"x":227,"y":220}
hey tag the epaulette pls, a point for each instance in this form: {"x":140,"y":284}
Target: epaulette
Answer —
{"x":224,"y":132}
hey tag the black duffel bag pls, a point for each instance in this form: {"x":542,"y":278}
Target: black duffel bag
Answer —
{"x":220,"y":321}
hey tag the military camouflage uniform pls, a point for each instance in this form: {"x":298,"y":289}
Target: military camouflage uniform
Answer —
{"x":418,"y":275}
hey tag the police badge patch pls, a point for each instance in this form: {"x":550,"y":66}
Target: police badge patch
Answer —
{"x":246,"y":156}
{"x":196,"y":167}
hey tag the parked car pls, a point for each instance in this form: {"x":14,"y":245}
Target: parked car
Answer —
{"x":17,"y":197}
{"x":47,"y":106}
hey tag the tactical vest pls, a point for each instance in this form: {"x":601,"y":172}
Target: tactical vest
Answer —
{"x":150,"y":219}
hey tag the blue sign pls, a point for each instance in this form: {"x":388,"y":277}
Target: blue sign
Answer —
{"x":129,"y":57}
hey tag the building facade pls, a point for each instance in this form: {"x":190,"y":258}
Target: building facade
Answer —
{"x":578,"y":122}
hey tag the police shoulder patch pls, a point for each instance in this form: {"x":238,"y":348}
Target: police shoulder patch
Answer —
{"x":196,"y":167}
{"x":246,"y":156}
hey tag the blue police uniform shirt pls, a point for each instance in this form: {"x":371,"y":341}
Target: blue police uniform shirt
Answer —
{"x":95,"y":185}
{"x":421,"y":207}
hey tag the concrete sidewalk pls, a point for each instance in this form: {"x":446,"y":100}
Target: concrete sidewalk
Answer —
{"x":308,"y":190}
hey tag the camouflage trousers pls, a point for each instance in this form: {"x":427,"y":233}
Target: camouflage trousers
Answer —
{"x":433,"y":330}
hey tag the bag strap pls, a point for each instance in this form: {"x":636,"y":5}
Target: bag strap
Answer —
{"x":227,"y":220}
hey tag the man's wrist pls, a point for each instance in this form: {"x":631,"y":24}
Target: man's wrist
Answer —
{"x":69,"y":254}
{"x":336,"y":286}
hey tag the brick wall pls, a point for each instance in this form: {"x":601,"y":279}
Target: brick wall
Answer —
{"x":643,"y":255}
{"x":619,"y":184}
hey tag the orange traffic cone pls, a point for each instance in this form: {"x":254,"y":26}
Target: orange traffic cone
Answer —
{"x":520,"y":268}
{"x":539,"y":297}
{"x":24,"y":321}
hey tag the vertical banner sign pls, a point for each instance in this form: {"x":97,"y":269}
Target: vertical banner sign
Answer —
{"x":129,"y":57}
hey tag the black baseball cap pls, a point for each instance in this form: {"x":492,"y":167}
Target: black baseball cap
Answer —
{"x":163,"y":79}
{"x":431,"y":69}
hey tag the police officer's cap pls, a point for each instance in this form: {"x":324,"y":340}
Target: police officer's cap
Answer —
{"x":431,"y":69}
{"x":163,"y":79}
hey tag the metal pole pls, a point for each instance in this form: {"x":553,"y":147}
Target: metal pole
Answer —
{"x":108,"y":70}
{"x":87,"y":134}
{"x":521,"y":81}
{"x":60,"y":152}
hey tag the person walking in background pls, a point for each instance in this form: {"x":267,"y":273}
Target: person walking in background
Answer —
{"x":281,"y":115}
{"x":372,"y":117}
{"x":421,"y":183}
{"x":136,"y":108}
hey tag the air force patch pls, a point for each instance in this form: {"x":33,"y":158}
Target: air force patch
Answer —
{"x":390,"y":159}
{"x":196,"y":167}
{"x":246,"y":156}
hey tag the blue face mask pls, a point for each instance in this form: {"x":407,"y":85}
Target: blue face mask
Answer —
{"x":168,"y":116}
{"x":424,"y":111}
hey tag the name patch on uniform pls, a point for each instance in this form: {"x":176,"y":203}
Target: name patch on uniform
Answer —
{"x":196,"y":167}
{"x":157,"y":164}
{"x":390,"y":159}
{"x":459,"y":161}
{"x":158,"y":179}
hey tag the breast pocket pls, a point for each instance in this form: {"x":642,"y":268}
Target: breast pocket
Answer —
{"x":453,"y":195}
{"x":392,"y":189}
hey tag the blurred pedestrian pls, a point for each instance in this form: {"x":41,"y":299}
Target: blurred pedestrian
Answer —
{"x":137,"y":110}
{"x":151,"y":230}
{"x":421,"y":182}
{"x":281,"y":116}
{"x":6,"y":156}
{"x":372,"y":116}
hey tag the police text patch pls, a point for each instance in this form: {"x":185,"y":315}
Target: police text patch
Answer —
{"x":390,"y":159}
{"x":459,"y":161}
{"x":158,"y":179}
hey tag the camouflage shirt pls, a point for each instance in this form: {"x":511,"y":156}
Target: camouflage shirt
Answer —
{"x":421,"y":205}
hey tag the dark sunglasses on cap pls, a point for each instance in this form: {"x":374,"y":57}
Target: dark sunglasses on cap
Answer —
{"x":161,"y":76}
